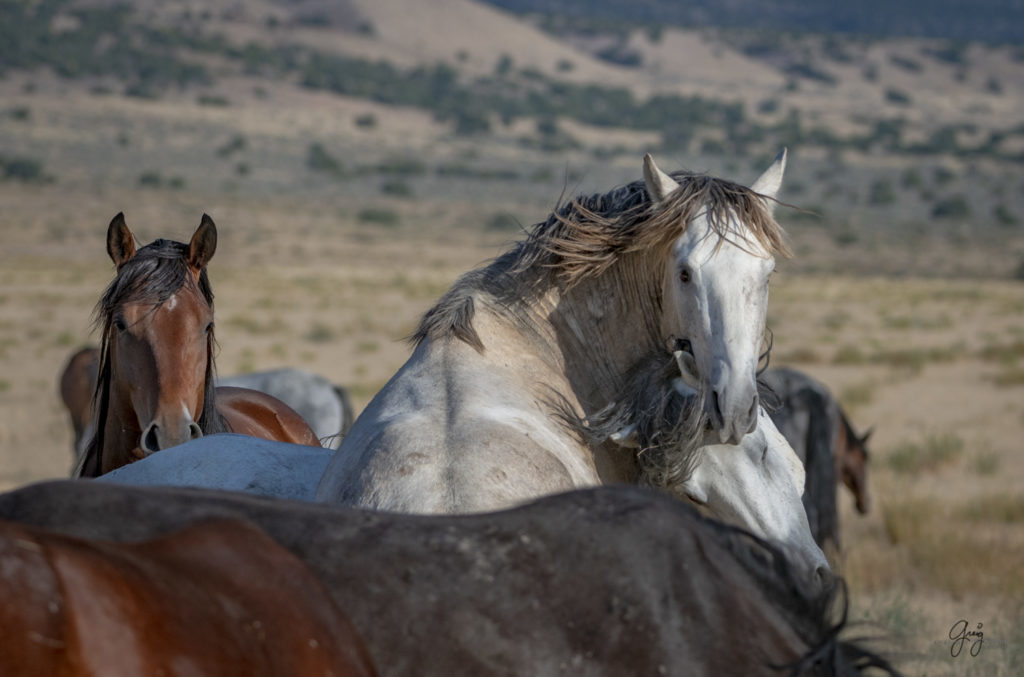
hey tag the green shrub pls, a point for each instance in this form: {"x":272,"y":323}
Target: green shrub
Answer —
{"x":379,"y":215}
{"x":1003,"y":216}
{"x":367,"y":121}
{"x":319,"y":160}
{"x":897,"y":96}
{"x":397,"y":188}
{"x":503,"y":221}
{"x":24,"y":169}
{"x":881,"y":192}
{"x":953,"y":207}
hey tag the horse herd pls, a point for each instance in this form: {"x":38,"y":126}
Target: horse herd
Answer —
{"x":491,"y":510}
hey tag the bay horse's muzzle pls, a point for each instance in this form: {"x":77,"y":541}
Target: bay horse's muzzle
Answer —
{"x":156,"y":437}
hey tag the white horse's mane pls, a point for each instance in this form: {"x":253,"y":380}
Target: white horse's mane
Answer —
{"x":588,"y":235}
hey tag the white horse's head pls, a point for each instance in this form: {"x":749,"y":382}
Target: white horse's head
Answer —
{"x":757,"y":485}
{"x":715,"y":292}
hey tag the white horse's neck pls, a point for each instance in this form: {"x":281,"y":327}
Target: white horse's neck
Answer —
{"x":593,"y":332}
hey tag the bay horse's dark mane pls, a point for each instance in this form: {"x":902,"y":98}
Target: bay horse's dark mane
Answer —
{"x":586,"y":236}
{"x":152,"y":275}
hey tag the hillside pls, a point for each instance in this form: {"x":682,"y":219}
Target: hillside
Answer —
{"x":892,"y":140}
{"x":976,"y":20}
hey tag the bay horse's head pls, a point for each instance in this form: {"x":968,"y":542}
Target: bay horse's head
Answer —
{"x":155,"y":386}
{"x":851,"y":457}
{"x":715,"y":288}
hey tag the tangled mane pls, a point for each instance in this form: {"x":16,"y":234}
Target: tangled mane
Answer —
{"x":586,"y":236}
{"x":668,"y":426}
{"x":155,"y":273}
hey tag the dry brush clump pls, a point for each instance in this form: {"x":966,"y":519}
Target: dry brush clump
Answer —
{"x":957,"y":550}
{"x":934,"y":452}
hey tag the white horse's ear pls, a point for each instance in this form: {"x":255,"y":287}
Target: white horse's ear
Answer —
{"x":770,"y":182}
{"x":659,"y":184}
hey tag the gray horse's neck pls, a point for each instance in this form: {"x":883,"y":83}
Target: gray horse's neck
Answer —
{"x":594,"y":332}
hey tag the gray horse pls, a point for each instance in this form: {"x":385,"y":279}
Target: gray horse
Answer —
{"x":469,"y":423}
{"x":325,"y":406}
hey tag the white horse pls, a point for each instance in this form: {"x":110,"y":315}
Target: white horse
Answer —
{"x":470,"y":422}
{"x":326,"y":407}
{"x":231,"y":462}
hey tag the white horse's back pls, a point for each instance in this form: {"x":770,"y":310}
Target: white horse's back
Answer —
{"x":436,"y":441}
{"x":322,"y":404}
{"x":233,"y":463}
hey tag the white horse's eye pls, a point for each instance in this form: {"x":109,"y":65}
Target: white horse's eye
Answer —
{"x":684,"y":276}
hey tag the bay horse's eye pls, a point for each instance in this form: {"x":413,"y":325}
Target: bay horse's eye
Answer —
{"x":209,"y":327}
{"x":119,"y":324}
{"x":684,"y":276}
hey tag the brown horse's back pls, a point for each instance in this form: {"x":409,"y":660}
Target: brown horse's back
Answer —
{"x":77,"y":383}
{"x":219,"y":598}
{"x":251,"y":412}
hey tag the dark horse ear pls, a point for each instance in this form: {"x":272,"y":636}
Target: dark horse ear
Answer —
{"x":865,"y":436}
{"x":120,"y":241}
{"x":203,"y":244}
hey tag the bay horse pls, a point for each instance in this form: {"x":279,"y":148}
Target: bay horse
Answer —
{"x":77,"y":385}
{"x":606,"y":581}
{"x":155,"y":385}
{"x":815,"y":424}
{"x":467,"y":424}
{"x":325,"y":406}
{"x":216,"y":598}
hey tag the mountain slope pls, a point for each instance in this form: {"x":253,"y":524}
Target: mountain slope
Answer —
{"x":1000,"y":21}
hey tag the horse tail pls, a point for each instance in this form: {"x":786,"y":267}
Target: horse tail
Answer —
{"x":820,"y":466}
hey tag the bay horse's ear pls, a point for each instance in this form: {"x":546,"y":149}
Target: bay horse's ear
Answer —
{"x":865,"y":436}
{"x":769,"y":183}
{"x":659,"y":184}
{"x":203,"y":244}
{"x":120,"y":241}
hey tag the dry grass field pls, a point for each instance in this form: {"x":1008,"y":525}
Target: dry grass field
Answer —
{"x":914,"y":321}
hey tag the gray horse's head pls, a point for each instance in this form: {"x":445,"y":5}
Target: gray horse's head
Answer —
{"x":715,"y":288}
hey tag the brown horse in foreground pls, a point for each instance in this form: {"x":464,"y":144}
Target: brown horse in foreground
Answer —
{"x":155,"y":385}
{"x":220,"y":598}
